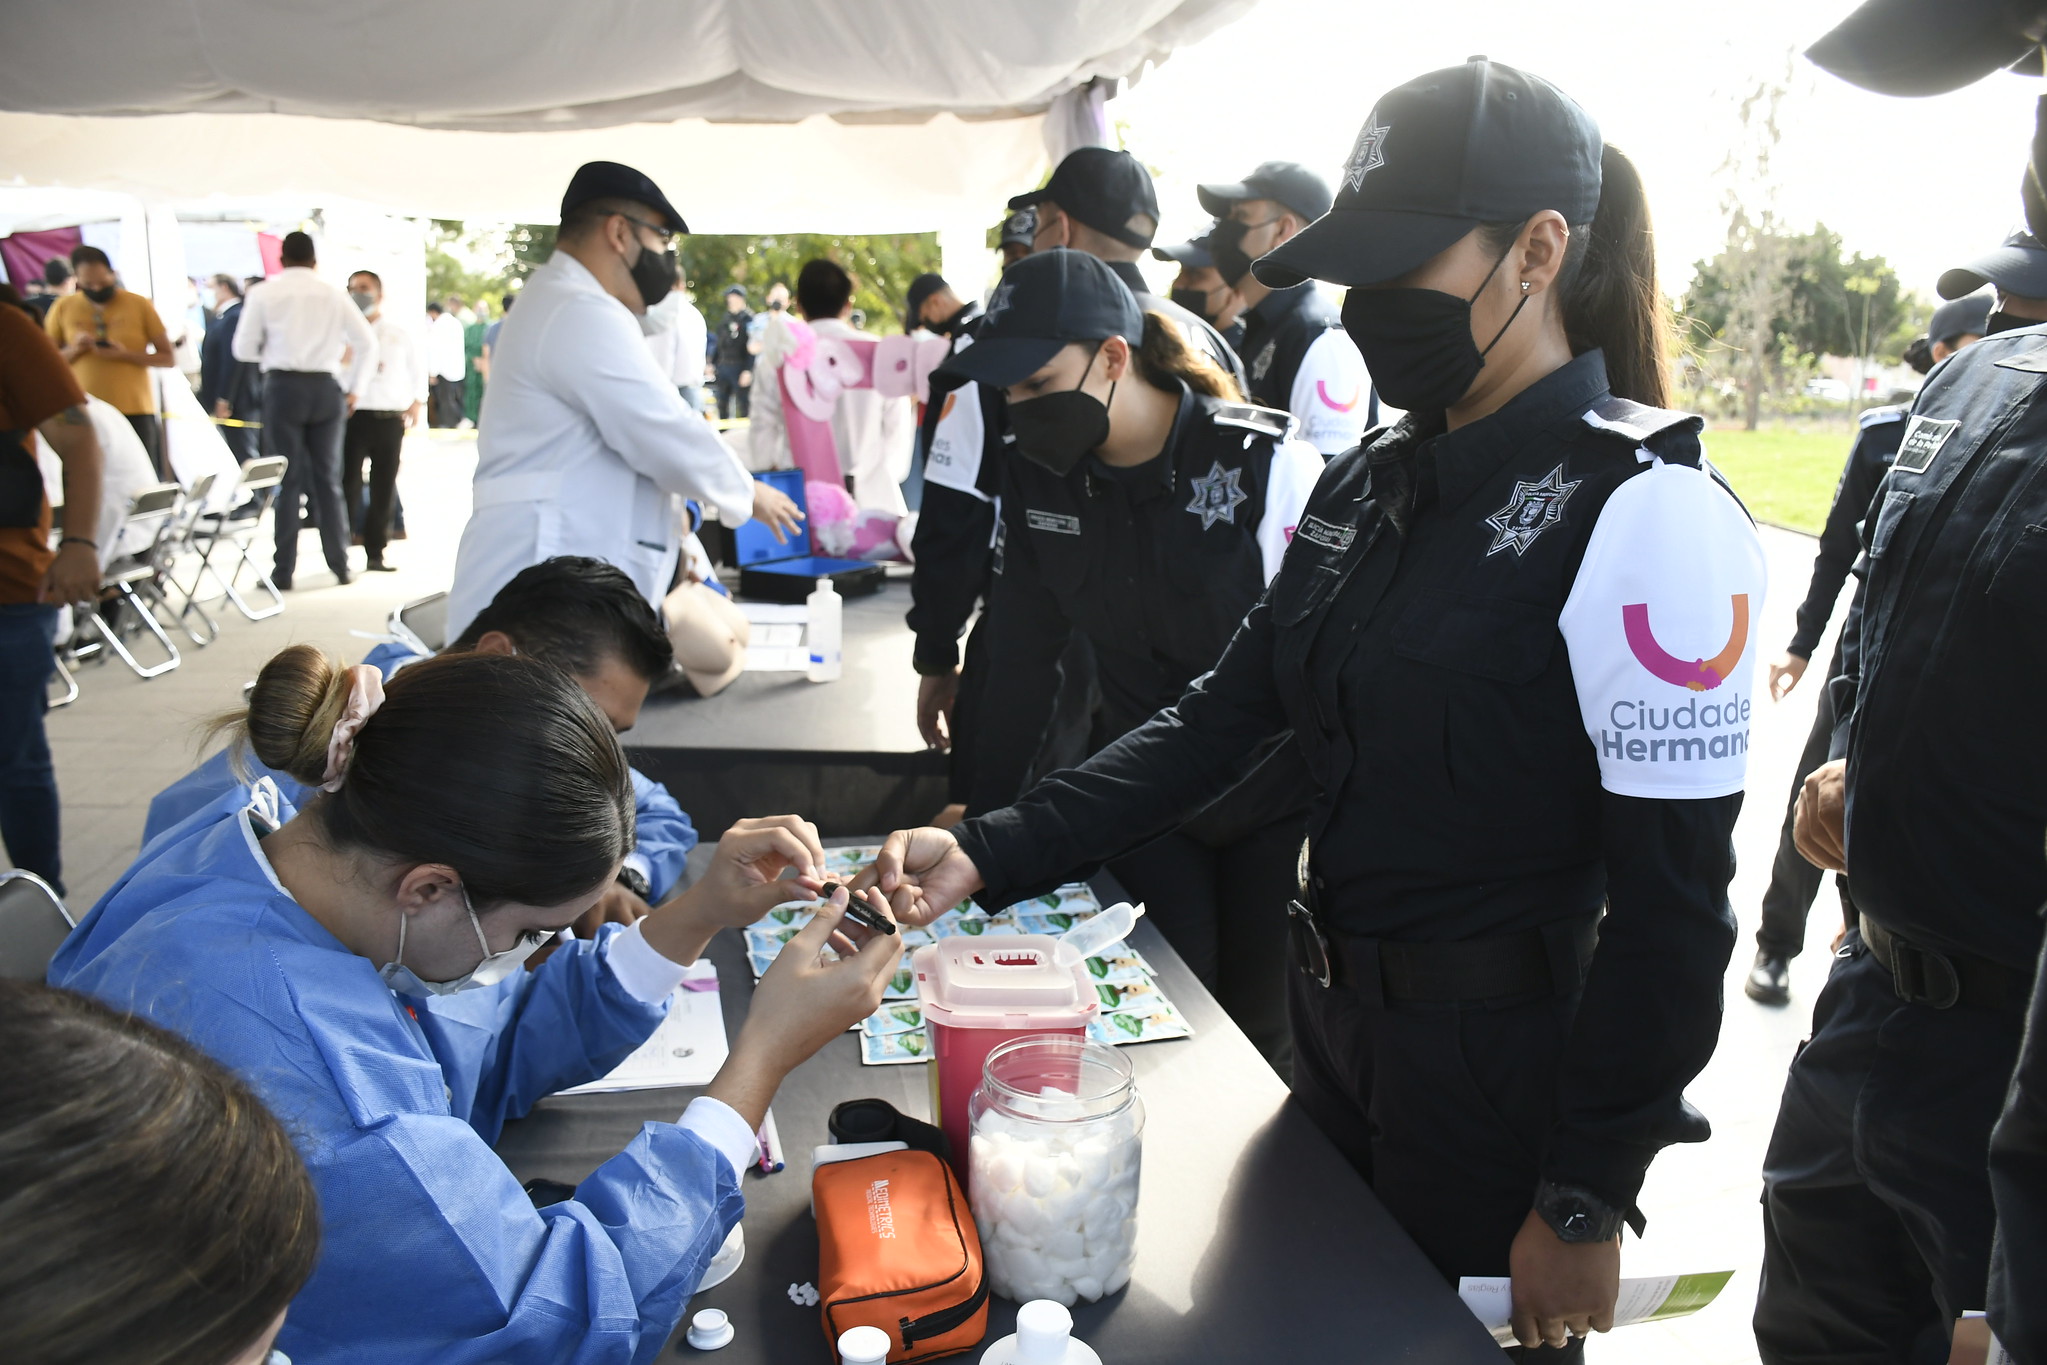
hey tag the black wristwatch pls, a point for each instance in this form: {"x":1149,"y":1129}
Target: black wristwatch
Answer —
{"x":631,"y":879}
{"x":1576,"y":1214}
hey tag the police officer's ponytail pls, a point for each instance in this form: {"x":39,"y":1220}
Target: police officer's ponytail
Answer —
{"x":1608,"y":284}
{"x":1610,"y":296}
{"x":498,"y":766}
{"x":1164,"y":360}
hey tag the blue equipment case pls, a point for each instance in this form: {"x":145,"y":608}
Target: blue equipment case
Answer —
{"x":771,"y":571}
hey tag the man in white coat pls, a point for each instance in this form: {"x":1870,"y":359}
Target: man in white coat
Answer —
{"x":584,"y":447}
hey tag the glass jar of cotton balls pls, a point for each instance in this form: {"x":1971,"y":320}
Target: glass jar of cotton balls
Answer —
{"x":1052,"y":1168}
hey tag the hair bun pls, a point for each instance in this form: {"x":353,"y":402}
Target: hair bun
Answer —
{"x":293,"y":708}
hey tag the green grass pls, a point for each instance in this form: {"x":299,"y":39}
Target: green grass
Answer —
{"x":1786,"y":475}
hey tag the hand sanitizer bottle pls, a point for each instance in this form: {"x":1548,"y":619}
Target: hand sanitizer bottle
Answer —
{"x":825,"y":606}
{"x":1044,"y":1336}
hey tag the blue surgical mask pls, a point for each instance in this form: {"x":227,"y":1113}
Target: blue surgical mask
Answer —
{"x":494,"y":967}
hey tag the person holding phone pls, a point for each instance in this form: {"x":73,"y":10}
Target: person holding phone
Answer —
{"x":113,"y":338}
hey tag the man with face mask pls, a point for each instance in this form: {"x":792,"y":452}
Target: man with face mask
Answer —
{"x":1199,"y":287}
{"x":113,"y":339}
{"x":1890,"y":1175}
{"x":1102,"y":202}
{"x":1294,"y":346}
{"x":584,"y":446}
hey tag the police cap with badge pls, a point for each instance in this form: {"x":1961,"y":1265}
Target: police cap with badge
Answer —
{"x":1287,"y":183}
{"x":1101,"y":188}
{"x":1046,"y":302}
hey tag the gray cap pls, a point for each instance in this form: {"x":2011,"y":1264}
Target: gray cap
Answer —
{"x":1963,"y":317}
{"x":2017,"y":267}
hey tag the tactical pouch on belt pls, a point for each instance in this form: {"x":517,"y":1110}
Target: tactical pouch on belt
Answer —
{"x":21,"y":482}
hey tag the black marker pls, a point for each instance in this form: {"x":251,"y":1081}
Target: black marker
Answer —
{"x":857,"y":910}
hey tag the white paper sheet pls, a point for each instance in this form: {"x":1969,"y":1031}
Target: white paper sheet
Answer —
{"x":776,"y":613}
{"x":1648,"y":1299}
{"x":776,"y":659}
{"x":687,"y":1048}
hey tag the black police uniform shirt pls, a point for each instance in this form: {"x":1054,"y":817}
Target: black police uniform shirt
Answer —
{"x":1876,"y":442}
{"x":1200,"y":333}
{"x":1943,"y":725}
{"x":1300,"y":360}
{"x":954,"y":543}
{"x":1517,"y":659}
{"x":731,"y":334}
{"x":1154,"y":564}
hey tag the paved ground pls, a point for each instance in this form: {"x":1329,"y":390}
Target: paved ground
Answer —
{"x":125,"y":738}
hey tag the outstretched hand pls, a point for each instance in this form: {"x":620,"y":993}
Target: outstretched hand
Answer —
{"x":923,"y":872}
{"x":744,"y":881}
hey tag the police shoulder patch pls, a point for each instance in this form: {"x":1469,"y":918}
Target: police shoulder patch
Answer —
{"x":1531,"y":509}
{"x":1922,"y":441}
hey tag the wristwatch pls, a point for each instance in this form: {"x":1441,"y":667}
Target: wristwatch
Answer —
{"x":1576,"y":1214}
{"x":632,"y":880}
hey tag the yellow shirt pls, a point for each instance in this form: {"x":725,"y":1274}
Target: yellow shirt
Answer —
{"x":129,"y":322}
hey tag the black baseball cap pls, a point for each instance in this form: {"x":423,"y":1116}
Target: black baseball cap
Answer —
{"x":1286,"y":183}
{"x":1471,"y":144}
{"x":738,"y":289}
{"x":1046,"y":301}
{"x":1020,"y":228}
{"x":1193,"y":253}
{"x":1104,"y":189}
{"x":1927,"y":47}
{"x":2017,"y":267}
{"x":610,"y":180}
{"x":921,"y":289}
{"x":1962,"y":317}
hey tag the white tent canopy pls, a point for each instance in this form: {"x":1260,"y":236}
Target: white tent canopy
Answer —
{"x":754,"y":115}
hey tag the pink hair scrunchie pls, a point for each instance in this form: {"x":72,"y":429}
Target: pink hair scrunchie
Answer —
{"x":365,"y":695}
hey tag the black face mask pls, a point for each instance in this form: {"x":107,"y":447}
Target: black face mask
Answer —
{"x":1226,"y":249}
{"x":1417,"y":342}
{"x":1194,"y":301}
{"x":104,"y":294}
{"x":774,"y":305}
{"x":653,"y":274}
{"x":1057,"y":429}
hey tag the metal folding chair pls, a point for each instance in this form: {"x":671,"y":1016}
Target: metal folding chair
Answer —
{"x":33,"y":925}
{"x":422,"y":623}
{"x":70,"y":681}
{"x":135,"y":577}
{"x":184,"y":538}
{"x":229,"y":533}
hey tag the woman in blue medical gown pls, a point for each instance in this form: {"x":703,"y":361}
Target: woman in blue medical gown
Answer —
{"x":358,"y":963}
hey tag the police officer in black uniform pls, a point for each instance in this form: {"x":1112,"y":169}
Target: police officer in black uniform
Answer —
{"x":1294,"y":349}
{"x":1511,"y":637}
{"x":1877,"y":1199}
{"x":1199,"y":288}
{"x":1144,"y":509}
{"x":1013,"y":238}
{"x":1102,"y":202}
{"x":1794,"y":881}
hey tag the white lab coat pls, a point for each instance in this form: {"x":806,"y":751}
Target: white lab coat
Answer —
{"x":584,"y":447}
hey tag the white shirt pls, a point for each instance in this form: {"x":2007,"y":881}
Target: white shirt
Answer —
{"x":1332,"y":394}
{"x":678,"y":349}
{"x":584,"y":447}
{"x":297,"y":321}
{"x":400,"y":377}
{"x":445,"y":354}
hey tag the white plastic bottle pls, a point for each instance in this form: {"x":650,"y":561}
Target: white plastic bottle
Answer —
{"x":823,"y":635}
{"x":1044,"y":1336}
{"x":863,"y":1346}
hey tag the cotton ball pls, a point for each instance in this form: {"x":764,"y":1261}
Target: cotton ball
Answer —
{"x":1102,"y":1264}
{"x":1089,"y":1287}
{"x":1060,"y":1293}
{"x":1063,"y":1243}
{"x":1054,"y":1093}
{"x":1041,"y":1176}
{"x":1104,"y":1213}
{"x":1004,"y":1170}
{"x":1028,"y":1266}
{"x":1095,"y":1160}
{"x":1025,"y":1215}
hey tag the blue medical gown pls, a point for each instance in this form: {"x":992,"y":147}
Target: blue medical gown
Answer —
{"x":662,"y":835}
{"x":431,"y":1251}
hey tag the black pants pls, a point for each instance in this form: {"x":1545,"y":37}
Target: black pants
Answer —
{"x":303,"y":418}
{"x":734,"y":400}
{"x":445,"y":398}
{"x":149,"y":428}
{"x":1794,"y":881}
{"x":1223,"y":908}
{"x":1876,"y":1189}
{"x":1445,"y":1110}
{"x":375,"y":437}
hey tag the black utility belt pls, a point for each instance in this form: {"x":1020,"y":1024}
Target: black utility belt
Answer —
{"x":1928,"y":976}
{"x":1551,"y":959}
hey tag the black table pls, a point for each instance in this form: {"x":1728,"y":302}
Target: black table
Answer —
{"x":1256,"y":1241}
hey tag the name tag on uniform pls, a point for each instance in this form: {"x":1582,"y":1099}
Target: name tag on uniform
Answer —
{"x":1327,"y":534}
{"x":1923,"y":439}
{"x":1051,"y":521}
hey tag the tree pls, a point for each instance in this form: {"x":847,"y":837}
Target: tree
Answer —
{"x":1753,"y":258}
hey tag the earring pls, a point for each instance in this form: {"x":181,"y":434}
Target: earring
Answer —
{"x":1524,"y":286}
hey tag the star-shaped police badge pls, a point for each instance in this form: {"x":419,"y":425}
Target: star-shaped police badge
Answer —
{"x":1534,"y":508}
{"x":1369,"y":153}
{"x":1217,"y":495}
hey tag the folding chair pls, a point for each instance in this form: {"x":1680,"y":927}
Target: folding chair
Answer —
{"x":236,"y":529}
{"x":33,"y":925}
{"x":153,"y":512}
{"x":69,"y":680}
{"x":184,"y":538}
{"x":422,"y":623}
